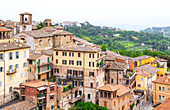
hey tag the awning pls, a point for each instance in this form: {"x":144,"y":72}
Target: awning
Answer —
{"x":52,"y":94}
{"x":41,"y":88}
{"x":41,"y":98}
{"x":52,"y":85}
{"x":139,"y":90}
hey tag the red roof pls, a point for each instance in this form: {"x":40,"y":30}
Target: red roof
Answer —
{"x":4,"y":29}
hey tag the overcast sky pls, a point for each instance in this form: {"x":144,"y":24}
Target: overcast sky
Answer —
{"x":97,"y":12}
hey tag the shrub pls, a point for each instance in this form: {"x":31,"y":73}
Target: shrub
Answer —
{"x":65,"y":89}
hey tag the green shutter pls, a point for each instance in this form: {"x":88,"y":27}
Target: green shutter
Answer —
{"x":38,"y":69}
{"x":48,"y":60}
{"x":38,"y":61}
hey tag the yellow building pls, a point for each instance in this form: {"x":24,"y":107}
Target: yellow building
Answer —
{"x":80,"y":63}
{"x":39,"y":66}
{"x":13,"y":69}
{"x":144,"y":84}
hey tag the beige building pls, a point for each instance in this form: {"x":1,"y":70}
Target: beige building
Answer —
{"x":45,"y":38}
{"x":79,"y":63}
{"x":114,"y":97}
{"x":13,"y":68}
{"x":39,"y":67}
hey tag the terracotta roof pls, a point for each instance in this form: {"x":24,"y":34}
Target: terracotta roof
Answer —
{"x":83,"y":41}
{"x":163,"y":80}
{"x":34,"y":56}
{"x":114,"y":66}
{"x":109,"y":57}
{"x":61,"y":32}
{"x":25,"y":13}
{"x":140,"y":58}
{"x":78,"y":48}
{"x":147,"y":68}
{"x":121,"y":90}
{"x":161,"y":60}
{"x":164,"y":106}
{"x":2,"y":29}
{"x":144,"y":74}
{"x":58,"y":27}
{"x":23,"y":105}
{"x":47,"y":52}
{"x":108,"y":87}
{"x":12,"y":46}
{"x":36,"y":83}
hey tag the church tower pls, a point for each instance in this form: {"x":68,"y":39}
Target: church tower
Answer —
{"x":25,"y":22}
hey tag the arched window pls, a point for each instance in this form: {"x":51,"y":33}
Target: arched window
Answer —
{"x":49,"y":41}
{"x":101,"y":94}
{"x":105,"y":94}
{"x":109,"y":95}
{"x":40,"y":42}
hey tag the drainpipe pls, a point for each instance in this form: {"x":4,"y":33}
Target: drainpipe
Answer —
{"x":4,"y":75}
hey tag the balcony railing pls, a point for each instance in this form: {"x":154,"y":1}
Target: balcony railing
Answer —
{"x":44,"y":64}
{"x":74,"y":77}
{"x":9,"y":72}
{"x":75,"y":99}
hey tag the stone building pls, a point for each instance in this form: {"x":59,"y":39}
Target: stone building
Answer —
{"x":41,"y":93}
{"x":114,"y":97}
{"x":5,"y":34}
{"x":45,"y":38}
{"x":13,"y":68}
{"x":79,"y":63}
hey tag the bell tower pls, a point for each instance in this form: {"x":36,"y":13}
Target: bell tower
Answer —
{"x":25,"y":22}
{"x":47,"y":22}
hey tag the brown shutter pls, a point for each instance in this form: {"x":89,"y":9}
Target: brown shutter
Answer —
{"x":89,"y":64}
{"x":73,"y":54}
{"x":93,"y":64}
{"x":80,"y":62}
{"x":69,"y":53}
{"x":93,"y":55}
{"x":89,"y":55}
{"x":56,"y":61}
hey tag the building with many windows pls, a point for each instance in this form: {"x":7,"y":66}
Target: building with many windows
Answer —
{"x":80,"y":64}
{"x":161,"y":89}
{"x":114,"y":97}
{"x":39,"y":66}
{"x":13,"y":69}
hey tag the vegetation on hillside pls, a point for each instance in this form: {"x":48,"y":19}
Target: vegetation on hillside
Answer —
{"x":121,"y":40}
{"x":87,"y":106}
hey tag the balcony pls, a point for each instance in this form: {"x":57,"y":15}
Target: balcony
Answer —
{"x":43,"y":64}
{"x":44,"y":71}
{"x":74,"y":77}
{"x":75,"y":99}
{"x":9,"y":72}
{"x":41,"y":103}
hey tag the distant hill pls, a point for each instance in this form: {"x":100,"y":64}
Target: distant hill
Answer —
{"x":160,"y":30}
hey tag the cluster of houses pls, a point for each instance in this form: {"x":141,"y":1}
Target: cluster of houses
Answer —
{"x":50,"y":68}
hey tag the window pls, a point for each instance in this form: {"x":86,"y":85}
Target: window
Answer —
{"x":71,"y":96}
{"x":56,"y":61}
{"x":91,"y":85}
{"x":17,"y":54}
{"x":25,"y":64}
{"x":119,"y":73}
{"x":52,"y":88}
{"x":101,"y":94}
{"x":159,"y":97}
{"x":0,"y":83}
{"x":71,"y":54}
{"x":52,"y":97}
{"x":163,"y":98}
{"x":91,"y":55}
{"x":161,"y":70}
{"x":91,"y":74}
{"x":57,"y":53}
{"x":163,"y":89}
{"x":109,"y":95}
{"x":123,"y":98}
{"x":159,"y":88}
{"x":74,"y":72}
{"x":52,"y":107}
{"x":49,"y":41}
{"x":105,"y":104}
{"x":111,"y":80}
{"x":141,"y":79}
{"x":17,"y":66}
{"x":139,"y":85}
{"x":97,"y":84}
{"x":48,"y":67}
{"x":80,"y":83}
{"x":10,"y":56}
{"x":30,"y":61}
{"x":157,"y":69}
{"x":168,"y":89}
{"x":71,"y":62}
{"x":88,"y":96}
{"x":39,"y":77}
{"x":21,"y":75}
{"x":64,"y":62}
{"x":161,"y":75}
{"x":25,"y":73}
{"x":79,"y":63}
{"x":91,"y":64}
{"x":56,"y":70}
{"x":64,"y":35}
{"x":81,"y":73}
{"x":114,"y":103}
{"x":10,"y":77}
{"x":97,"y":55}
{"x":25,"y":53}
{"x":1,"y":69}
{"x":64,"y":53}
{"x":79,"y":55}
{"x":40,"y":42}
{"x":1,"y":57}
{"x":10,"y":89}
{"x":105,"y":94}
{"x":158,"y":75}
{"x":48,"y":60}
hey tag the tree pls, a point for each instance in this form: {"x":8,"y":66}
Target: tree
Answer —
{"x":104,"y":47}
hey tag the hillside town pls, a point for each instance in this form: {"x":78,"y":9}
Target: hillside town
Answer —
{"x":52,"y":69}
